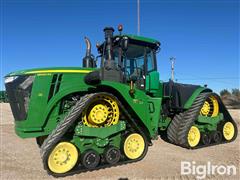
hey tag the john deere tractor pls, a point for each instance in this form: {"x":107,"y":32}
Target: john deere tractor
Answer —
{"x":95,"y":117}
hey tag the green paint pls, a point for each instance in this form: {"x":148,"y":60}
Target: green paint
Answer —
{"x":141,"y":38}
{"x":82,"y":130}
{"x":190,"y":101}
{"x":50,"y":70}
{"x":164,"y":122}
{"x":207,"y":124}
{"x":152,"y":85}
{"x":43,"y":113}
{"x":97,"y":144}
{"x":140,"y":104}
{"x":210,"y":120}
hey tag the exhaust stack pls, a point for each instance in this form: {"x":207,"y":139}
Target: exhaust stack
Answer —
{"x":110,"y":70}
{"x":88,"y":60}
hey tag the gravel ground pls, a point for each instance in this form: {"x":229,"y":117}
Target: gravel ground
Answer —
{"x":20,"y":158}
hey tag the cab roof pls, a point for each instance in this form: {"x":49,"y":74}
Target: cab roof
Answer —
{"x":134,"y":39}
{"x":141,"y":38}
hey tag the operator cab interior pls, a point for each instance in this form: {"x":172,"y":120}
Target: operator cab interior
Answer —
{"x":135,"y":62}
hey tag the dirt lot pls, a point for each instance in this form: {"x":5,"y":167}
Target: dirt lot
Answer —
{"x":20,"y":158}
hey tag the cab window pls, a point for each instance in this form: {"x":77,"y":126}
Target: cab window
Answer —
{"x":135,"y":59}
{"x":151,"y":66}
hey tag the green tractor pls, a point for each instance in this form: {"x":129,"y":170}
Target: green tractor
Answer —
{"x":90,"y":118}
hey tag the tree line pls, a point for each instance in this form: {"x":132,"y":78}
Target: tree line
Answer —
{"x":231,"y":98}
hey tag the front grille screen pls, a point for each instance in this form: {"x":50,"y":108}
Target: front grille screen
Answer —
{"x":19,"y":92}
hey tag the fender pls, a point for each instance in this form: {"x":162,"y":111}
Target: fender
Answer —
{"x":137,"y":102}
{"x":58,"y":97}
{"x":192,"y":98}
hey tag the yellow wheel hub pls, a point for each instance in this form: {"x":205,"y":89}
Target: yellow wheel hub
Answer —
{"x":101,"y":112}
{"x":210,"y":107}
{"x":98,"y":114}
{"x":206,"y":108}
{"x":134,"y":146}
{"x":63,"y":158}
{"x":193,"y":136}
{"x":228,"y":131}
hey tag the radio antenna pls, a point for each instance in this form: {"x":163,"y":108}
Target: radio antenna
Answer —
{"x":138,"y":17}
{"x":172,"y":59}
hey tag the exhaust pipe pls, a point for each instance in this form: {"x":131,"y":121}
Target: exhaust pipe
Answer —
{"x":89,"y":46}
{"x":88,"y":60}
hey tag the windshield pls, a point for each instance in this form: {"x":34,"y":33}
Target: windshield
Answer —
{"x":135,"y":63}
{"x":138,"y":61}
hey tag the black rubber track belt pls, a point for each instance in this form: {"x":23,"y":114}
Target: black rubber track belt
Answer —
{"x":173,"y":128}
{"x":179,"y":127}
{"x":63,"y":126}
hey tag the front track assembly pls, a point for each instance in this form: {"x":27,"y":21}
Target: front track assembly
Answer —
{"x":185,"y":130}
{"x":90,"y":160}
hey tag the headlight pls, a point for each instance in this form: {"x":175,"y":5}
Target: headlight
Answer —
{"x":10,"y":79}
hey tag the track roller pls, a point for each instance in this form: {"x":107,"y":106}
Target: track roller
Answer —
{"x":216,"y":136}
{"x":90,"y":159}
{"x":112,"y":155}
{"x":206,"y":138}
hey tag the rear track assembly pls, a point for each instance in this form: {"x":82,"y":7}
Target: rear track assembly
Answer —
{"x":178,"y":129}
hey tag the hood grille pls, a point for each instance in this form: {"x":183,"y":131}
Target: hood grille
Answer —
{"x":19,"y":93}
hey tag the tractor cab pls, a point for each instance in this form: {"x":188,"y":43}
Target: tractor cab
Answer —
{"x":129,"y":59}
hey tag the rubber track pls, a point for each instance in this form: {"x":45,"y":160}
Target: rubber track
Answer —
{"x":63,"y":126}
{"x":179,"y":127}
{"x":173,"y":128}
{"x":181,"y":123}
{"x":189,"y":118}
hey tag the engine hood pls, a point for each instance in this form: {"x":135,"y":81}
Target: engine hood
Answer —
{"x":52,"y":70}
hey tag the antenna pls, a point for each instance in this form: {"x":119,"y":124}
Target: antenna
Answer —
{"x":172,"y":59}
{"x":138,"y":17}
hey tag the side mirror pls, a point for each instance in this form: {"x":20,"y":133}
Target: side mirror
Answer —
{"x":96,"y":60}
{"x":124,"y":43}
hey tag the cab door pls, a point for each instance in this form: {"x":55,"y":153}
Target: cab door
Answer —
{"x":152,"y":75}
